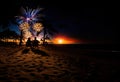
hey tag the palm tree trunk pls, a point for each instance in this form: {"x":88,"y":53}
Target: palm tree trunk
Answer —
{"x":21,"y":37}
{"x":44,"y":33}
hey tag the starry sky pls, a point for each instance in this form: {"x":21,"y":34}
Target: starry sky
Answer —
{"x":82,"y":20}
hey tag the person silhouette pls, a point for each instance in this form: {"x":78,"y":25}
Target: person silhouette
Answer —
{"x":28,"y":43}
{"x":35,"y":42}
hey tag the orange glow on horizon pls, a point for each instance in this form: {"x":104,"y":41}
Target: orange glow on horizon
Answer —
{"x":64,"y":40}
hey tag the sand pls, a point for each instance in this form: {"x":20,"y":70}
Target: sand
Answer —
{"x":55,"y":64}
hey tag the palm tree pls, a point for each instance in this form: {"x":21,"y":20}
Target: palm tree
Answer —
{"x":48,"y":30}
{"x":21,"y":33}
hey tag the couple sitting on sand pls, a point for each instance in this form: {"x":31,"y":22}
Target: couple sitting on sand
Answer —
{"x":33,"y":43}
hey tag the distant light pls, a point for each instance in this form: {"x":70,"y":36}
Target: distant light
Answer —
{"x":60,"y":41}
{"x":64,"y":40}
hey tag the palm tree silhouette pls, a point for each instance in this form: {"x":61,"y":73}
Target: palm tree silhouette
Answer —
{"x":48,"y":30}
{"x":21,"y":33}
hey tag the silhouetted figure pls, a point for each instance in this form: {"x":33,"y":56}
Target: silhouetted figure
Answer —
{"x":35,"y":43}
{"x":28,"y":43}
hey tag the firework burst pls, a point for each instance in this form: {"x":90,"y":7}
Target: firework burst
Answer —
{"x":37,"y":27}
{"x":24,"y":26}
{"x":29,"y":15}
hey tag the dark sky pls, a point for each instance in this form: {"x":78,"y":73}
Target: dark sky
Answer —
{"x":82,"y":20}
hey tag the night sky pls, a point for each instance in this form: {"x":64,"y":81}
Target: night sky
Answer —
{"x":89,"y":21}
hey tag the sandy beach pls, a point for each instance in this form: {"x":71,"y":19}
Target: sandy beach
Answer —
{"x":57,"y":64}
